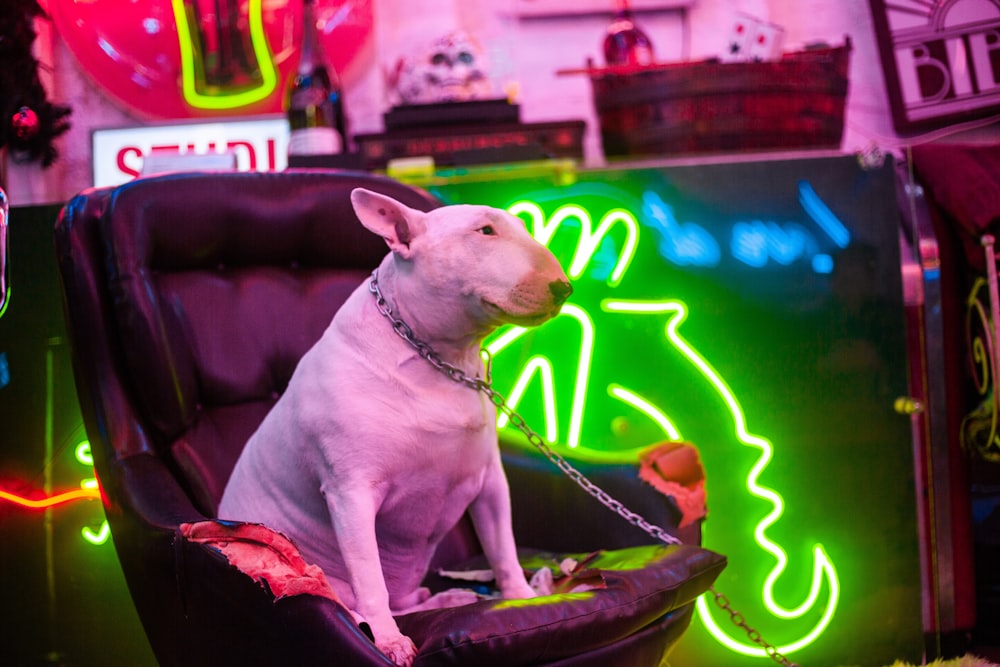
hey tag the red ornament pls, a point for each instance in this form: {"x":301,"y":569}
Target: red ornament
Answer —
{"x":25,"y":123}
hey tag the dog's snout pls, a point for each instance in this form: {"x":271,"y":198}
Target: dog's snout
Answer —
{"x":560,"y":291}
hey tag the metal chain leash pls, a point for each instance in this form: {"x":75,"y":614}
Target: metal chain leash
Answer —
{"x":484,"y":386}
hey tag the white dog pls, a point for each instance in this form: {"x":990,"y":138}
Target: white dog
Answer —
{"x":372,"y":455}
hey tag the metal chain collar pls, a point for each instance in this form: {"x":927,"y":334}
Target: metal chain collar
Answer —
{"x":404,"y":331}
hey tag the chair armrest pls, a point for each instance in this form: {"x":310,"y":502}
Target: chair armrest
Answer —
{"x":233,"y":620}
{"x":146,"y":492}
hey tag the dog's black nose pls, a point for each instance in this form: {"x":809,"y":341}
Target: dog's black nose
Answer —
{"x":560,"y":291}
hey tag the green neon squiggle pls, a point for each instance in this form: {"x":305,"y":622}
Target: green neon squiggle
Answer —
{"x":590,"y":239}
{"x":544,"y":368}
{"x":269,"y":75}
{"x":582,"y":370}
{"x":642,"y":405}
{"x":83,"y":455}
{"x":823,"y":569}
{"x":98,"y":538}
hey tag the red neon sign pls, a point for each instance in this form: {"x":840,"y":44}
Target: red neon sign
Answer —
{"x":50,"y":501}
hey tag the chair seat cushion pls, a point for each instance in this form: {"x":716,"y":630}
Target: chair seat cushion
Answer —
{"x":640,"y":585}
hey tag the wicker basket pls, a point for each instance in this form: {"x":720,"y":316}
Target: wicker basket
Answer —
{"x":704,"y":107}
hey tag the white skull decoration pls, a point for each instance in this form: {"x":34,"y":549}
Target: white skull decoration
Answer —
{"x":452,"y":69}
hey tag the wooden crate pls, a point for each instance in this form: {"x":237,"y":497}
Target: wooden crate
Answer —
{"x":677,"y":109}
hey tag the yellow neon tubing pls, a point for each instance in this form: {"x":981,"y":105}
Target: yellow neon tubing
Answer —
{"x":51,"y":501}
{"x":269,"y":76}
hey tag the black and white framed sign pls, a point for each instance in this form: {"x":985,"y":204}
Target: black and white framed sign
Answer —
{"x":941,"y":60}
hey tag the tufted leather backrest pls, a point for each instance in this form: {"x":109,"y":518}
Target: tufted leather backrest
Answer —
{"x":218,"y":284}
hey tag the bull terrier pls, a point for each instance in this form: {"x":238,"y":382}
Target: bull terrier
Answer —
{"x":372,"y":454}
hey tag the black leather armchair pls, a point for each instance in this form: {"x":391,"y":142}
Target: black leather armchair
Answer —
{"x":189,"y":299}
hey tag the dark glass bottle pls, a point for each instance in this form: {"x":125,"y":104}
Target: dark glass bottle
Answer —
{"x":315,"y":99}
{"x":626,"y":43}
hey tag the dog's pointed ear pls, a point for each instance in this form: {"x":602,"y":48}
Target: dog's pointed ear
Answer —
{"x":397,"y":223}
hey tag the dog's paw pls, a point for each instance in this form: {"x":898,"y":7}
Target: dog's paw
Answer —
{"x":519,"y":591}
{"x":542,"y":582}
{"x":397,"y":647}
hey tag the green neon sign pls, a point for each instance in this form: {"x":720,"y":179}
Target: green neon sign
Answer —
{"x":586,"y":327}
{"x":590,"y":239}
{"x":823,"y":569}
{"x":647,"y":408}
{"x":84,"y":457}
{"x":539,"y":368}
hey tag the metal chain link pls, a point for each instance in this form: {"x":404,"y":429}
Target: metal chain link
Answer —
{"x":753,"y":635}
{"x":404,"y":331}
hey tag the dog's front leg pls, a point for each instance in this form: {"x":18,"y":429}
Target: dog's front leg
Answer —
{"x":491,"y":516}
{"x":353,"y":512}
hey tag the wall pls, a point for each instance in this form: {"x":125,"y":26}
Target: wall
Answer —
{"x":532,"y":50}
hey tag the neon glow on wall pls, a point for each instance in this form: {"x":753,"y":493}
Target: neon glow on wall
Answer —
{"x":88,"y":490}
{"x":780,"y":243}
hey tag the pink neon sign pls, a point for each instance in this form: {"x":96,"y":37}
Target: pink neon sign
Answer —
{"x":175,"y":59}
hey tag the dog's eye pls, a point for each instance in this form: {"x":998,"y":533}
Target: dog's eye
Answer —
{"x":487,"y":230}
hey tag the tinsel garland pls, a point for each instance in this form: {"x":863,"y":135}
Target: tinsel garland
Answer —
{"x":29,"y":123}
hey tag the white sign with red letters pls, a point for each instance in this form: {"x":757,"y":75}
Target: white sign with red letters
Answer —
{"x":254,"y":144}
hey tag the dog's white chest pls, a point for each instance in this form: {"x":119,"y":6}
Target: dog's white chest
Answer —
{"x":457,"y":413}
